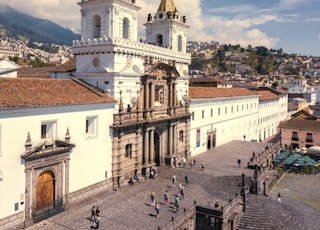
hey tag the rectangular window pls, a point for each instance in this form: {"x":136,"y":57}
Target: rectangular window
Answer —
{"x":231,"y":109}
{"x":129,"y":150}
{"x":226,"y":110}
{"x":181,"y":136}
{"x":48,"y":129}
{"x":309,"y":137}
{"x":211,"y":112}
{"x":202,"y":114}
{"x":91,"y":126}
{"x":219,"y":111}
{"x":193,"y":115}
{"x":294,"y":136}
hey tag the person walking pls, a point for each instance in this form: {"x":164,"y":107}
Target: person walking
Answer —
{"x":153,"y":199}
{"x":176,"y":203}
{"x":184,"y":161}
{"x":174,"y":180}
{"x":181,"y":192}
{"x":194,"y":161}
{"x":166,"y":198}
{"x":279,"y":197}
{"x":157,"y":208}
{"x":186,"y":178}
{"x":97,"y":222}
{"x":97,"y":212}
{"x":202,"y":166}
{"x":239,"y":163}
{"x":93,"y":213}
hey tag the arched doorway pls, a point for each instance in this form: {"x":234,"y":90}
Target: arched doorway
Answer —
{"x":156,"y":151}
{"x":214,"y":140}
{"x":209,"y":143}
{"x":45,"y":189}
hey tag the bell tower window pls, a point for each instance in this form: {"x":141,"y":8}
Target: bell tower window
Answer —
{"x":125,"y":28}
{"x":180,"y":43}
{"x":159,"y":40}
{"x":96,"y":33}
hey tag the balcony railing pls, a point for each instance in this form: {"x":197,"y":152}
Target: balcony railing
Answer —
{"x":295,"y":139}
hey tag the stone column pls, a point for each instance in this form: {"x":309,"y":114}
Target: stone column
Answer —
{"x":146,"y":148}
{"x":174,"y":94}
{"x":170,"y":139}
{"x":28,"y":197}
{"x":66,"y":185}
{"x":146,"y":95}
{"x":174,"y":152}
{"x":169,"y":94}
{"x":152,"y":95}
{"x":151,"y":144}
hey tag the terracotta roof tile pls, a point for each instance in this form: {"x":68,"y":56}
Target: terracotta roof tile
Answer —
{"x":302,"y":124}
{"x":213,"y":92}
{"x":34,"y":72}
{"x":36,"y":92}
{"x":266,"y":95}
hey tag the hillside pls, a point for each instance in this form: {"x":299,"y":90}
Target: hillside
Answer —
{"x":15,"y":24}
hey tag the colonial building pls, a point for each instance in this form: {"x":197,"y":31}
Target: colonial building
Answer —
{"x":8,"y":68}
{"x":303,"y":130}
{"x":148,"y":79}
{"x":53,"y":144}
{"x":220,"y":115}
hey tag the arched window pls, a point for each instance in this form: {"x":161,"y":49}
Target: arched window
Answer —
{"x":125,"y":28}
{"x":96,"y":33}
{"x":159,"y":40}
{"x":180,"y":43}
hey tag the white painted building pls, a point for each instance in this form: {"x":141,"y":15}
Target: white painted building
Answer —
{"x":221,"y":115}
{"x":53,"y":144}
{"x":8,"y":68}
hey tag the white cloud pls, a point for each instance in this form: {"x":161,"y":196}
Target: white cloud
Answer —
{"x":235,"y":31}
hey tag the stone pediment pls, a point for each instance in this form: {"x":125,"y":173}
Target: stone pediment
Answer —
{"x":45,"y":149}
{"x":163,"y":70}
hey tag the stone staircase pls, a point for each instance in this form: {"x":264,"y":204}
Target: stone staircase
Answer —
{"x":265,"y":213}
{"x":225,"y":187}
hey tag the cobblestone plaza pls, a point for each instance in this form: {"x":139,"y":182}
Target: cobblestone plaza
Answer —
{"x":129,"y":207}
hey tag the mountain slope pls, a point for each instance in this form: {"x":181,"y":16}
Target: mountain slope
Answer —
{"x":15,"y":24}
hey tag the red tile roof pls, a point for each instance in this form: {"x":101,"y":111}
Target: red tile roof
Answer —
{"x":302,"y":124}
{"x":34,"y":72}
{"x":213,"y":92}
{"x":35,"y":92}
{"x":266,"y":95}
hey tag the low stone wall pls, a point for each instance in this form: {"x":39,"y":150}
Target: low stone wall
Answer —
{"x":184,"y":221}
{"x":15,"y":221}
{"x":89,"y":192}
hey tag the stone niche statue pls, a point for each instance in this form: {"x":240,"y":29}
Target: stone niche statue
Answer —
{"x":149,"y":17}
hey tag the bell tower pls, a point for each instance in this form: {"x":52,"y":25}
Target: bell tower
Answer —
{"x":110,"y":18}
{"x":167,"y":28}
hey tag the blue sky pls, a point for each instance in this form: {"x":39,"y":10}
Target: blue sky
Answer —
{"x":293,"y":25}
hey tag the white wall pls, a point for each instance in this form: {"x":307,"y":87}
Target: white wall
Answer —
{"x":90,"y":159}
{"x":229,"y":125}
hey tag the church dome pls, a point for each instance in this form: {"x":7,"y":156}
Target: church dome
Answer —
{"x":167,"y":6}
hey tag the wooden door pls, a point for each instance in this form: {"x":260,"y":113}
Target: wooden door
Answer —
{"x":45,"y":189}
